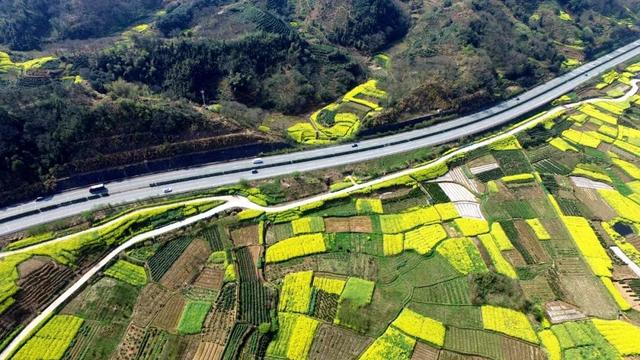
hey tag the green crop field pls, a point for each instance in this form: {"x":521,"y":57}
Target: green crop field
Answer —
{"x":193,"y":316}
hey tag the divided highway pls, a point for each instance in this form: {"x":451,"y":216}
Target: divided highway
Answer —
{"x":73,"y":202}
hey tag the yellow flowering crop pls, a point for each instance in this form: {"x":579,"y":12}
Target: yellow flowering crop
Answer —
{"x":332,"y":286}
{"x":472,"y":227}
{"x":581,"y":138}
{"x":509,"y":143}
{"x":624,"y":206}
{"x":447,"y":211}
{"x":588,"y":244}
{"x":393,"y":344}
{"x":52,"y":340}
{"x":590,"y":173}
{"x":294,"y":338}
{"x":610,"y":131}
{"x":392,"y":244}
{"x":593,"y":112}
{"x":622,"y":335}
{"x":397,"y":223}
{"x":369,"y":206}
{"x":538,"y":229}
{"x":424,"y":238}
{"x":628,"y":167}
{"x":296,"y":292}
{"x":500,"y":237}
{"x":306,"y":225}
{"x":519,"y":178}
{"x":615,"y":108}
{"x":294,"y":247}
{"x":463,"y":255}
{"x":551,"y":344}
{"x":562,"y":145}
{"x":421,"y":327}
{"x":630,"y":148}
{"x":508,"y":321}
{"x":620,"y":301}
{"x":501,"y":264}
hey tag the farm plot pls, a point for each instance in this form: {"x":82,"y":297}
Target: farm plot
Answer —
{"x":209,"y":278}
{"x":131,"y":343}
{"x":214,"y":236}
{"x":186,"y":267}
{"x":193,"y":316}
{"x":530,"y":242}
{"x":209,"y":351}
{"x":237,"y":337}
{"x":52,"y":340}
{"x":512,"y":162}
{"x":453,"y":292}
{"x":151,"y":300}
{"x":294,"y":337}
{"x":254,"y":303}
{"x":538,"y":289}
{"x":36,"y":289}
{"x":423,"y":351}
{"x":95,"y":340}
{"x":468,"y":317}
{"x":162,"y":260}
{"x":355,"y":243}
{"x":130,"y":273}
{"x":247,"y":265}
{"x":355,"y":224}
{"x":493,"y":346}
{"x":107,"y":300}
{"x":245,"y":236}
{"x":219,"y":322}
{"x":168,"y":317}
{"x":325,"y":306}
{"x":153,"y":344}
{"x":335,"y":343}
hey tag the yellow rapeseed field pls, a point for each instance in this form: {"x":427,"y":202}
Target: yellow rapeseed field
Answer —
{"x":294,"y":247}
{"x":508,"y":321}
{"x":421,"y":327}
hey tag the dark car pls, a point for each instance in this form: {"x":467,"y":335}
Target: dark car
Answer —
{"x":254,"y":171}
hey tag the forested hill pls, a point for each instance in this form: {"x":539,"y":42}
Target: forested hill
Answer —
{"x":94,"y":84}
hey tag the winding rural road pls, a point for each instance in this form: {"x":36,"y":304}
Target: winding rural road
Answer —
{"x":22,"y":216}
{"x":236,"y":202}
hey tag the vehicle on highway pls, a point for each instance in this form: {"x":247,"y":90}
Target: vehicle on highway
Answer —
{"x":40,"y":198}
{"x":98,"y":189}
{"x":254,"y":171}
{"x":167,"y":190}
{"x":354,"y":145}
{"x":258,"y":161}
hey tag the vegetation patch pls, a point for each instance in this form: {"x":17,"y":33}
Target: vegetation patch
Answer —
{"x":127,"y":272}
{"x":193,"y":317}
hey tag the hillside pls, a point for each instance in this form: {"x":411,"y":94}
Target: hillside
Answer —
{"x":89,"y":85}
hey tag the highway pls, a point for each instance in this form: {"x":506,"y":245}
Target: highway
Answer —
{"x":185,"y":180}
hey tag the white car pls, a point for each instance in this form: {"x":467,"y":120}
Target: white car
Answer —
{"x":258,"y":161}
{"x":167,"y":190}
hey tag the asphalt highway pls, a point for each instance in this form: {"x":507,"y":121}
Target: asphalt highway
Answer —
{"x":185,"y":180}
